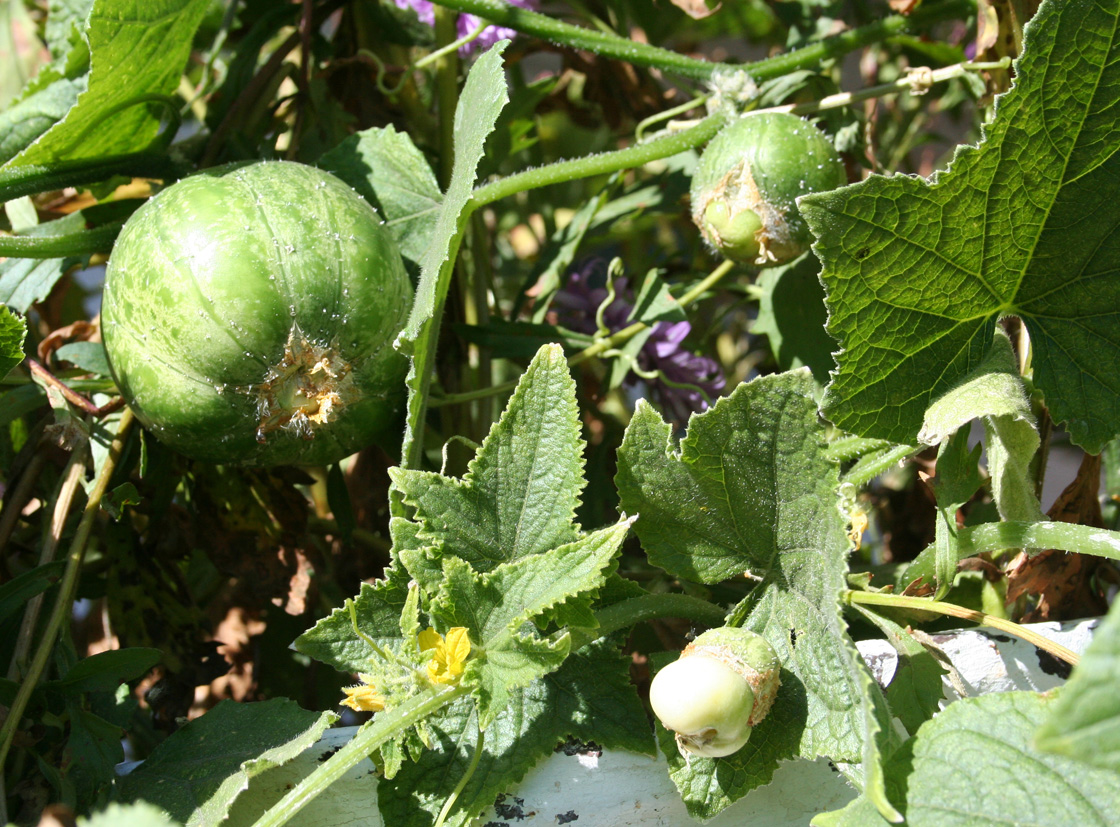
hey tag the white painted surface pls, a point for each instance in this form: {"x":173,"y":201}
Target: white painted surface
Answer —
{"x":618,"y":789}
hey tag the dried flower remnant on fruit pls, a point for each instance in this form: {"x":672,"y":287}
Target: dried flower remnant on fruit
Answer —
{"x":576,"y":307}
{"x":308,"y":387}
{"x":448,"y":654}
{"x":745,"y":188}
{"x":363,"y":698}
{"x":466,"y":24}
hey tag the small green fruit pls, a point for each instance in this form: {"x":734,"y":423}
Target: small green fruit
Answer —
{"x":745,"y":188}
{"x":249,"y":314}
{"x":723,"y":684}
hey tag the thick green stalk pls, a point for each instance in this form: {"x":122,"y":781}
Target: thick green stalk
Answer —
{"x":873,"y":464}
{"x":952,"y":610}
{"x":598,"y":42}
{"x":16,"y":182}
{"x":84,"y":242}
{"x":384,"y":726}
{"x":838,"y":45}
{"x":1081,"y":539}
{"x":601,"y":164}
{"x":621,"y":48}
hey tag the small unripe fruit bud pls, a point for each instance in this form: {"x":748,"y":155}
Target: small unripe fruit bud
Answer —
{"x":722,"y":685}
{"x":745,"y":188}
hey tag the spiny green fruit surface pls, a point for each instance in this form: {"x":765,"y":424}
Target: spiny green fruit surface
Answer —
{"x":249,"y":314}
{"x":746,"y":185}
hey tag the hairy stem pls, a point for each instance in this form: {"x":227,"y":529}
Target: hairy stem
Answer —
{"x":384,"y":726}
{"x":84,"y":242}
{"x":16,"y":182}
{"x":612,"y":45}
{"x":1081,"y":539}
{"x":601,"y":164}
{"x":952,"y":610}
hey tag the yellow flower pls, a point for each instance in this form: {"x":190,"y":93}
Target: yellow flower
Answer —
{"x":448,"y":655}
{"x":364,"y":698}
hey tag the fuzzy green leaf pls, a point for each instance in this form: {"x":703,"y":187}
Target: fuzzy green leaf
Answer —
{"x":974,"y":765}
{"x":332,"y":640}
{"x":387,"y":169}
{"x":482,"y":100}
{"x":13,"y":330}
{"x":24,"y":122}
{"x":916,"y":690}
{"x":589,"y":698}
{"x":197,"y":773}
{"x":917,"y":272}
{"x":1084,"y":722}
{"x":137,"y":47}
{"x":498,"y":607}
{"x":521,"y":490}
{"x":751,"y":490}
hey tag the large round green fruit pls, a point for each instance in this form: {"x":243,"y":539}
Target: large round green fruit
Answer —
{"x":249,"y":314}
{"x":745,"y":189}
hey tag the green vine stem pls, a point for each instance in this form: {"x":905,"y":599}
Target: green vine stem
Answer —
{"x":613,"y":46}
{"x":602,"y":43}
{"x":476,"y":756}
{"x":85,"y":242}
{"x":838,"y":45}
{"x":16,"y":182}
{"x":384,"y":726}
{"x":1081,"y":539}
{"x":872,"y":465}
{"x":847,"y":448}
{"x":923,"y":604}
{"x":61,"y":609}
{"x":601,"y":164}
{"x":63,"y":501}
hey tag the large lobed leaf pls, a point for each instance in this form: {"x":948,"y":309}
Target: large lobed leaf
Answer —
{"x":1084,"y":722}
{"x":917,"y":272}
{"x":750,"y":490}
{"x":387,"y":169}
{"x":482,"y":100}
{"x":137,"y":47}
{"x":196,"y":774}
{"x":521,"y":490}
{"x":974,"y":765}
{"x":498,"y":607}
{"x":499,"y":552}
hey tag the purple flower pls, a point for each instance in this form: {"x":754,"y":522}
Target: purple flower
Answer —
{"x":575,"y":307}
{"x":466,"y":24}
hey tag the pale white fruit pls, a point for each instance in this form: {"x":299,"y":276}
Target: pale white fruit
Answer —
{"x":706,"y":703}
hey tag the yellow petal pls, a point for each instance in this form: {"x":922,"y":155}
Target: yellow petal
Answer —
{"x":429,"y":639}
{"x":363,"y":699}
{"x":458,"y":645}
